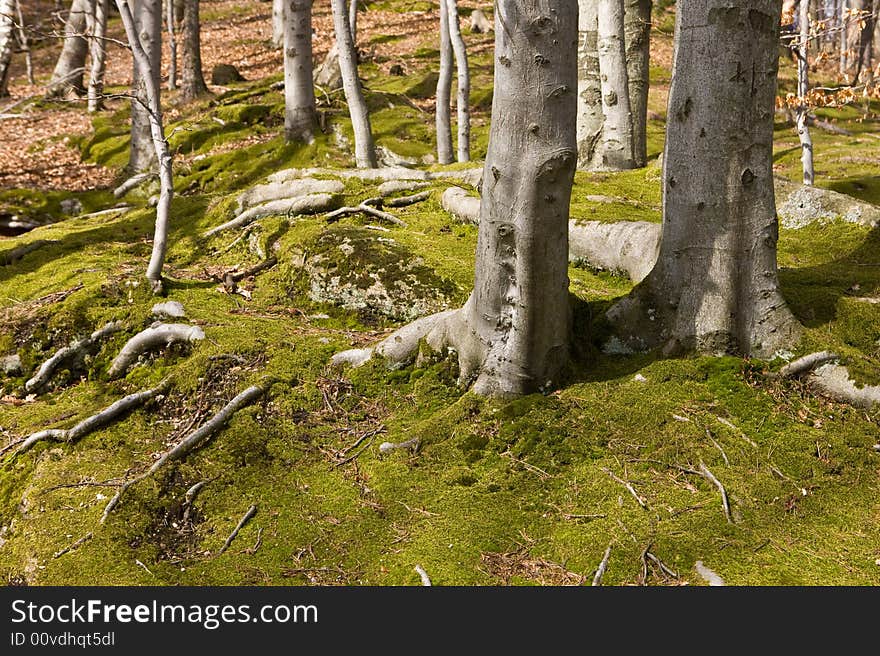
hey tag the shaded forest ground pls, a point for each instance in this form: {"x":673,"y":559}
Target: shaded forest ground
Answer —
{"x":498,"y":493}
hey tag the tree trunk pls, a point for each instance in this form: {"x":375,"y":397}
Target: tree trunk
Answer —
{"x":803,"y":83}
{"x":714,"y":288}
{"x":444,"y":91}
{"x":278,"y":23}
{"x":172,"y":44}
{"x":353,"y":21}
{"x":70,"y":68}
{"x":7,"y":41}
{"x":147,"y":68}
{"x":299,"y":91}
{"x":614,"y":151}
{"x":463,"y":82}
{"x":589,"y":108}
{"x":364,"y":150}
{"x":98,"y":49}
{"x":512,"y":336}
{"x":25,"y":44}
{"x":637,"y":31}
{"x":148,"y":22}
{"x":192,"y":83}
{"x":865,"y":55}
{"x":844,"y":30}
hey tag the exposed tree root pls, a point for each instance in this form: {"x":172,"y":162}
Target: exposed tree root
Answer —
{"x":365,"y":207}
{"x":287,"y":190}
{"x":404,"y":201}
{"x":423,"y":575}
{"x":244,"y":520}
{"x":462,"y":205}
{"x":195,"y":439}
{"x":13,"y":255}
{"x":111,"y":413}
{"x":384,"y":174}
{"x":131,"y":183}
{"x":67,"y":354}
{"x":157,"y":336}
{"x":286,"y":206}
{"x":397,"y":186}
{"x":804,"y":364}
{"x":410,"y":445}
{"x":831,"y":379}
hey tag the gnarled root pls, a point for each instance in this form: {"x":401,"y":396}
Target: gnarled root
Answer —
{"x":829,"y":378}
{"x":68,"y":354}
{"x":157,"y":336}
{"x":195,"y":439}
{"x":310,"y":204}
{"x":288,"y":190}
{"x":460,"y":204}
{"x":628,"y":247}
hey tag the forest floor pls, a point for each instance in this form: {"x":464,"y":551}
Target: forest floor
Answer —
{"x":530,"y":491}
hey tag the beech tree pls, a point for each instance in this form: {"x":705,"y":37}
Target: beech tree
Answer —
{"x":70,"y":67}
{"x":637,"y":36}
{"x":512,"y":335}
{"x":7,"y":40}
{"x":192,"y":83}
{"x":803,"y":82}
{"x":442,"y":119}
{"x":147,"y":15}
{"x":463,"y":150}
{"x":299,"y":92}
{"x":98,"y":54}
{"x":614,"y":150}
{"x":714,"y":287}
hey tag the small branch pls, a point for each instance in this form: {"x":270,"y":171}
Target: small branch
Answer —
{"x":732,"y":427}
{"x":603,"y":566}
{"x":725,"y":503}
{"x":628,"y":486}
{"x":423,"y":575}
{"x":75,"y":545}
{"x":244,"y":520}
{"x":663,"y":568}
{"x":190,"y":497}
{"x":718,"y":446}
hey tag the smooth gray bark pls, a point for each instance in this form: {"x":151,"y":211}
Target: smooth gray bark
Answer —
{"x":299,"y":92}
{"x":353,"y":21}
{"x":715,"y":288}
{"x":803,"y":83}
{"x":7,"y":40}
{"x":463,"y":82}
{"x":172,"y":44}
{"x":865,"y":56}
{"x":148,"y":28}
{"x":444,"y":92}
{"x":589,"y":108}
{"x":70,"y":67}
{"x":192,"y":83}
{"x":25,"y":43}
{"x":844,"y":31}
{"x":637,"y":33}
{"x":98,"y":51}
{"x":278,"y":23}
{"x":364,"y":148}
{"x":153,"y":109}
{"x":512,"y":335}
{"x":614,"y":150}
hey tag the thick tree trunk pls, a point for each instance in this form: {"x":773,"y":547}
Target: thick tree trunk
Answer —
{"x":714,"y":288}
{"x":589,"y":108}
{"x":278,"y":23}
{"x":172,"y":44}
{"x":615,"y":148}
{"x":637,"y":32}
{"x":364,"y":149}
{"x":148,"y":22}
{"x":192,"y":83}
{"x":803,"y":83}
{"x":7,"y":41}
{"x":98,"y":50}
{"x":512,"y":335}
{"x":70,"y":68}
{"x":463,"y":82}
{"x":299,"y":91}
{"x":147,"y":68}
{"x":865,"y":56}
{"x":444,"y":92}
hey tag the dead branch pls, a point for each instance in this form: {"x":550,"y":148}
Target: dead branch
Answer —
{"x":244,"y":520}
{"x":663,"y":567}
{"x":197,"y":438}
{"x":628,"y":486}
{"x":718,"y":446}
{"x":736,"y":430}
{"x":804,"y":364}
{"x":68,"y":353}
{"x":157,"y":336}
{"x":75,"y":545}
{"x":190,"y":497}
{"x":600,"y":571}
{"x":725,"y":502}
{"x":423,"y":575}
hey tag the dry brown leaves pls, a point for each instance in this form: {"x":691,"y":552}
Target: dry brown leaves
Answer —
{"x":519,"y":564}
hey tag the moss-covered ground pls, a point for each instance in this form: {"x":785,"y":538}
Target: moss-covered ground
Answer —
{"x":519,"y":492}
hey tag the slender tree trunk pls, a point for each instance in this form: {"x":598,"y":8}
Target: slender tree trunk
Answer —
{"x":172,"y":44}
{"x":444,"y":92}
{"x":865,"y":55}
{"x":98,"y":50}
{"x":25,"y":44}
{"x":714,"y":288}
{"x":7,"y":41}
{"x":589,"y":105}
{"x":364,"y":150}
{"x":844,"y":30}
{"x":70,"y":68}
{"x":148,"y":22}
{"x":353,"y":21}
{"x":637,"y":29}
{"x":278,"y":23}
{"x":803,"y":89}
{"x":615,"y":148}
{"x":463,"y":83}
{"x":147,"y":67}
{"x":299,"y":90}
{"x":192,"y":83}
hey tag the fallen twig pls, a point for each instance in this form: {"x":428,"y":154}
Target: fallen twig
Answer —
{"x":718,"y":446}
{"x":725,"y":503}
{"x":423,"y":575}
{"x":244,"y":520}
{"x":732,"y":427}
{"x":663,"y":567}
{"x":190,"y":497}
{"x":628,"y":486}
{"x":365,"y":209}
{"x":600,"y":571}
{"x":75,"y":545}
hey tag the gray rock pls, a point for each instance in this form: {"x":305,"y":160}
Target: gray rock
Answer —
{"x":799,"y":206}
{"x":71,"y":206}
{"x":223,"y":74}
{"x":10,"y":365}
